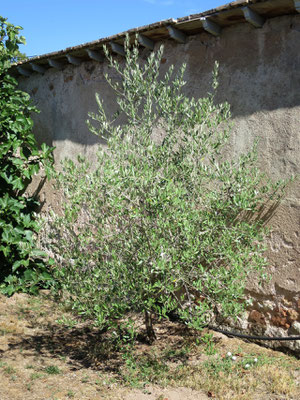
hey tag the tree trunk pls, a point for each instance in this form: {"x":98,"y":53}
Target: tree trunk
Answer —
{"x":149,"y":327}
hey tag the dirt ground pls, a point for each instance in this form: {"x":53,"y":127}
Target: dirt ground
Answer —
{"x":46,"y":355}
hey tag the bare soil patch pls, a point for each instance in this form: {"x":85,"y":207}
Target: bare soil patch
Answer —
{"x":46,"y":354}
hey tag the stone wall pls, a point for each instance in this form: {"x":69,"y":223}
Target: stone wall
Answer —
{"x":260,"y":78}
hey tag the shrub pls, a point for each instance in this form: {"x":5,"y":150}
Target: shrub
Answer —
{"x":21,"y":262}
{"x":164,"y":221}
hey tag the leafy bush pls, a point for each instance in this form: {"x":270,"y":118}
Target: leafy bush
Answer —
{"x":164,"y":221}
{"x":21,"y":262}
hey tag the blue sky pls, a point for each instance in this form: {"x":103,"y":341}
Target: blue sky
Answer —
{"x":51,"y":25}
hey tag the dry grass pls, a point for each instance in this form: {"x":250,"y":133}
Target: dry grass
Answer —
{"x":263,"y":381}
{"x":45,"y":353}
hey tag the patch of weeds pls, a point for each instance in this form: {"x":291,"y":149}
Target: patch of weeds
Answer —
{"x":153,"y":369}
{"x":207,"y":339}
{"x":52,"y":370}
{"x":270,"y":360}
{"x":219,"y":365}
{"x":144,"y":370}
{"x":36,"y":375}
{"x":67,"y":322}
{"x":239,"y":376}
{"x":105,"y":381}
{"x":9,"y":370}
{"x":8,"y":328}
{"x":34,"y":302}
{"x":85,"y":379}
{"x":175,"y":354}
{"x":70,"y":394}
{"x":249,"y":361}
{"x":42,"y":313}
{"x":29,"y":366}
{"x":22,"y":311}
{"x":29,"y":387}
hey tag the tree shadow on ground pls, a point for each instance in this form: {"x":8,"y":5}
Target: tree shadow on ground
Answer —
{"x":89,"y":347}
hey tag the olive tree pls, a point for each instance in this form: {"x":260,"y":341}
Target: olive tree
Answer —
{"x":164,"y":221}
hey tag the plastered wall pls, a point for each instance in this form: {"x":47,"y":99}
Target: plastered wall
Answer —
{"x":260,"y":78}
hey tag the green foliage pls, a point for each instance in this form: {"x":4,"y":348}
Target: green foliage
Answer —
{"x":143,"y":370}
{"x":207,"y":339}
{"x":9,"y":43}
{"x":52,"y":370}
{"x":219,"y":365}
{"x":22,"y":266}
{"x":165,"y":220}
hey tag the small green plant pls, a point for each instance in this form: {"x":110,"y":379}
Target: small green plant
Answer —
{"x":36,"y":375}
{"x":175,"y":354}
{"x":85,"y":379}
{"x":29,"y":387}
{"x":139,"y":371}
{"x":9,"y":370}
{"x":22,"y":264}
{"x":164,"y":221}
{"x":207,"y":339}
{"x":52,"y":370}
{"x":102,"y":381}
{"x":219,"y":365}
{"x":68,"y":322}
